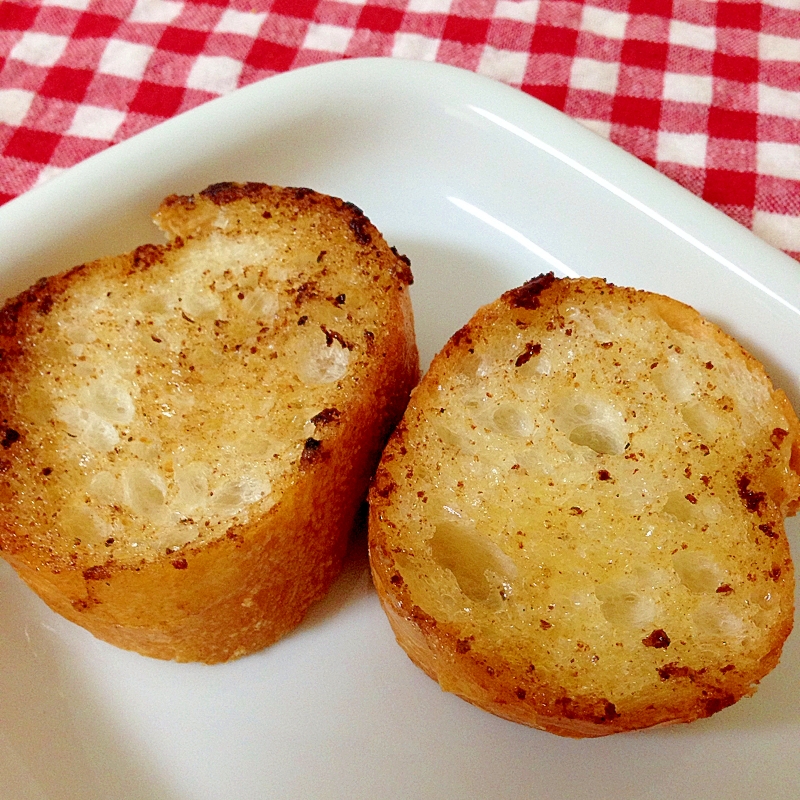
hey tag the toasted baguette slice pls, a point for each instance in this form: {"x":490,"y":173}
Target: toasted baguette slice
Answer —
{"x":579,"y":523}
{"x":189,"y":430}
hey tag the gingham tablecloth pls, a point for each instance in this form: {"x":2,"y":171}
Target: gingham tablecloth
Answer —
{"x":707,"y":92}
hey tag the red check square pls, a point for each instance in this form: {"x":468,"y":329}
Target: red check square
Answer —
{"x":725,"y":123}
{"x":31,"y":145}
{"x":157,"y":100}
{"x":270,"y":56}
{"x":549,"y":39}
{"x":739,"y":15}
{"x":95,"y":26}
{"x":639,"y":112}
{"x":727,"y":187}
{"x":66,"y":83}
{"x":735,"y":68}
{"x":378,"y":18}
{"x":182,"y":40}
{"x":466,"y":30}
{"x":14,"y":17}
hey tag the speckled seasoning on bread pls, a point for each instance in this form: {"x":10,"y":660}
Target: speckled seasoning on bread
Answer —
{"x":188,"y":430}
{"x":578,"y":525}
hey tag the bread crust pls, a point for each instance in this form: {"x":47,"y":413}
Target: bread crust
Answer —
{"x":208,"y":400}
{"x":590,"y":583}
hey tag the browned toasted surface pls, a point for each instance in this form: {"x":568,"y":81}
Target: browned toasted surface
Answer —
{"x":188,"y":430}
{"x":579,"y":523}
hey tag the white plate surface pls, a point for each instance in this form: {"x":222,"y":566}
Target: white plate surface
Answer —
{"x":483,"y":187}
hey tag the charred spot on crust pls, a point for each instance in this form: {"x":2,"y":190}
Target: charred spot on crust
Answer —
{"x":10,"y":436}
{"x":752,"y":500}
{"x":396,"y":579}
{"x":326,"y":416}
{"x":146,"y":255}
{"x":403,"y":273}
{"x":463,"y":334}
{"x":610,"y":713}
{"x":768,"y":528}
{"x":673,"y":670}
{"x":227,"y":192}
{"x":777,"y":436}
{"x":545,"y":625}
{"x":312,"y":452}
{"x":714,"y":704}
{"x":658,"y":639}
{"x":603,"y":475}
{"x":45,"y":305}
{"x":99,"y":572}
{"x":359,"y":224}
{"x":527,"y":295}
{"x":531,"y":349}
{"x":385,"y":488}
{"x":464,"y":645}
{"x":725,"y":588}
{"x":180,"y":563}
{"x":305,"y":291}
{"x":331,"y":336}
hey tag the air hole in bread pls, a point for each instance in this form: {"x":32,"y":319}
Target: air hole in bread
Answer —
{"x":322,"y":363}
{"x":674,"y":381}
{"x":192,"y":483}
{"x":89,"y":427}
{"x":590,"y":422}
{"x":512,"y":421}
{"x":625,"y":605}
{"x":109,"y":400}
{"x":713,"y":619}
{"x":698,"y":572}
{"x":700,"y":420}
{"x":477,"y":563}
{"x":145,"y":491}
{"x":680,"y":507}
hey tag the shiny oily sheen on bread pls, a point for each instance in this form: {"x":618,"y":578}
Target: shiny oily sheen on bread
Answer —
{"x":188,"y":430}
{"x":578,"y":525}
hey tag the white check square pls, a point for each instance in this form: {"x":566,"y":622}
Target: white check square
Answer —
{"x":598,"y":76}
{"x":779,"y":159}
{"x":77,"y":5}
{"x":158,"y":11}
{"x":688,"y":88}
{"x":247,"y":23}
{"x":330,"y":38}
{"x":503,"y":65}
{"x":414,"y":46}
{"x":602,"y":22}
{"x":428,"y":6}
{"x":520,"y":10}
{"x":778,"y":48}
{"x":14,"y":105}
{"x":780,"y":230}
{"x":700,"y":37}
{"x":125,"y":59}
{"x":682,"y":148}
{"x":94,"y":122}
{"x":216,"y":74}
{"x":778,"y":102}
{"x":39,"y":49}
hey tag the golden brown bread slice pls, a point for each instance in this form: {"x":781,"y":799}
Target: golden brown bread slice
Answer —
{"x":189,"y":430}
{"x":578,"y":525}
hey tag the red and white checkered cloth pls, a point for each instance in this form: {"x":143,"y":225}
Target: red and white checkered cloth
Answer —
{"x":707,"y":92}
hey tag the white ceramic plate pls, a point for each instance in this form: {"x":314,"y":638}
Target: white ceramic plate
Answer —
{"x":482,"y":187}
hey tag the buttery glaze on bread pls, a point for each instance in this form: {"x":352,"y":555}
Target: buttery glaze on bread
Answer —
{"x":578,"y":525}
{"x":189,"y":430}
